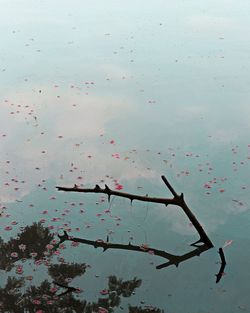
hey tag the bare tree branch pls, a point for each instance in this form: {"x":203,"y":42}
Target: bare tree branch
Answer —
{"x":177,"y":200}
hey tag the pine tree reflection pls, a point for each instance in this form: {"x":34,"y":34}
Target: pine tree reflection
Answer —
{"x":44,"y":298}
{"x":55,"y":293}
{"x":64,"y":273}
{"x":30,"y":243}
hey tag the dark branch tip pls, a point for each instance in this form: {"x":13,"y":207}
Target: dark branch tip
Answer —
{"x":97,"y":187}
{"x":107,"y":189}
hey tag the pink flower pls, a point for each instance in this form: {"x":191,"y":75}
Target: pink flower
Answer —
{"x":33,"y":254}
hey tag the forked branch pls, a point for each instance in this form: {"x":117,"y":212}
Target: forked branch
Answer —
{"x":177,"y":200}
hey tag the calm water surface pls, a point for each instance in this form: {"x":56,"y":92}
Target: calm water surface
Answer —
{"x":120,"y":93}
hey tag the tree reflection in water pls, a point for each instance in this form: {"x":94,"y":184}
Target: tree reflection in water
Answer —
{"x":54,"y":294}
{"x":30,"y":243}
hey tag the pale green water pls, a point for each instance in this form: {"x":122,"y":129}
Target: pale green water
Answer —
{"x":93,"y":92}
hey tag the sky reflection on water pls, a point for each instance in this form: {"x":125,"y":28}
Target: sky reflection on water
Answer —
{"x":122,"y":93}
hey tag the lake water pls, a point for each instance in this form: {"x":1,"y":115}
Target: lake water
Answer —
{"x":121,"y":93}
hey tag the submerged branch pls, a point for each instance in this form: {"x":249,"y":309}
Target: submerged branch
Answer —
{"x":69,"y":289}
{"x":223,"y":265}
{"x":172,"y":259}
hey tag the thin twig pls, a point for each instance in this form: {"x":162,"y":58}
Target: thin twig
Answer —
{"x":69,"y":289}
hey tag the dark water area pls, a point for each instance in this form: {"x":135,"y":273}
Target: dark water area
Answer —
{"x":120,"y":94}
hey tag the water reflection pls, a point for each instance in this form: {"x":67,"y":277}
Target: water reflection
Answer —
{"x":105,"y":245}
{"x":44,"y":298}
{"x":55,"y":293}
{"x":88,"y":96}
{"x":32,"y":243}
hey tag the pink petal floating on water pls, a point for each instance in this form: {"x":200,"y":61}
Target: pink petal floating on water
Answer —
{"x":50,"y":302}
{"x":8,"y":228}
{"x":53,"y":290}
{"x":119,"y":187}
{"x":36,"y":301}
{"x":38,"y":262}
{"x":207,"y":186}
{"x":19,"y":269}
{"x":151,"y":252}
{"x":104,"y":292}
{"x":227,"y":243}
